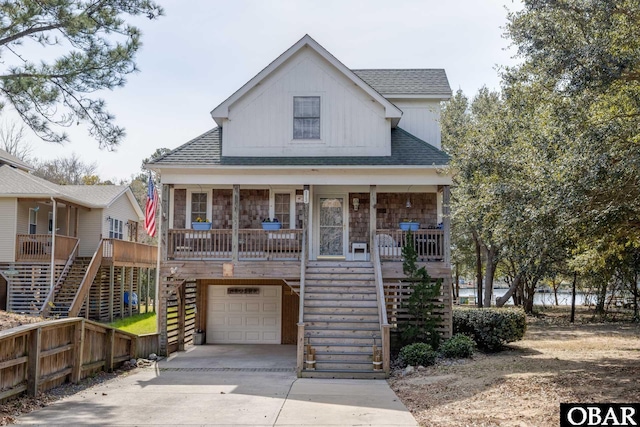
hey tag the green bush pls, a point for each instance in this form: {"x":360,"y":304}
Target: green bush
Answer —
{"x":458,"y":346}
{"x":418,"y":354}
{"x":490,"y":328}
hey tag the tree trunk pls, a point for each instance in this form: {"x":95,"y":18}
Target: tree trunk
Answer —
{"x":478,"y":269}
{"x":500,"y":301}
{"x":490,"y":271}
{"x":573,"y":297}
{"x":602,"y":297}
{"x":456,"y":285}
{"x":555,"y":285}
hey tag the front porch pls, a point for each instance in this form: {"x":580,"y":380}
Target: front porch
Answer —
{"x":339,"y":252}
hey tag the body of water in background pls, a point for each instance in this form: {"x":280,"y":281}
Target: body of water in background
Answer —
{"x":540,"y":298}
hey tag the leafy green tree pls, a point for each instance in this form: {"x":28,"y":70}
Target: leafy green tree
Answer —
{"x":97,"y":51}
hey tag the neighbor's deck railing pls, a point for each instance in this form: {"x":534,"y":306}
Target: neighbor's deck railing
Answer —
{"x":115,"y":251}
{"x":37,"y":247}
{"x":429,"y":244}
{"x":252,"y":244}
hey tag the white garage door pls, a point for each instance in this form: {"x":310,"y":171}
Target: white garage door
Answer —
{"x":235,"y":317}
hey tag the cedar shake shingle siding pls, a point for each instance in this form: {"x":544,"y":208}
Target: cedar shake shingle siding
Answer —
{"x":392,"y":209}
{"x":179,"y":208}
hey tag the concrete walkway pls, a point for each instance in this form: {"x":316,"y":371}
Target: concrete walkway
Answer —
{"x":228,"y":385}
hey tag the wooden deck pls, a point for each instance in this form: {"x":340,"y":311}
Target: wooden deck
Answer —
{"x":37,"y":247}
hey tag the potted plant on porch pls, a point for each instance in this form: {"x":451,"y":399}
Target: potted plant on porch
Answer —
{"x":409,"y":224}
{"x":271,"y":224}
{"x":201,"y":224}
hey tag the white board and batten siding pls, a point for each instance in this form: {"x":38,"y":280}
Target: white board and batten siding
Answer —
{"x":351,"y":122}
{"x":244,"y":318}
{"x":421,"y":118}
{"x":8,"y":211}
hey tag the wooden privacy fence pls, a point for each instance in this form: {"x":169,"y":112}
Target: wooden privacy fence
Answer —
{"x":397,"y":295}
{"x":181,"y":316}
{"x":41,"y":356}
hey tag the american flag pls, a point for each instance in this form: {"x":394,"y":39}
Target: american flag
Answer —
{"x":150,"y":209}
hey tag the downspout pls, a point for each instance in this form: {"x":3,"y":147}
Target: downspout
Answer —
{"x":53,"y":243}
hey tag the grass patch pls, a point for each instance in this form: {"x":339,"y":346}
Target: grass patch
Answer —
{"x":145,"y":323}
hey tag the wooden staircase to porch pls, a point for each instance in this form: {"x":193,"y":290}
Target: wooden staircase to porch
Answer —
{"x":67,"y":291}
{"x":341,"y":319}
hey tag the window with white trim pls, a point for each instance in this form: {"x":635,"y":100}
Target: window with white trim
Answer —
{"x":116,"y":229}
{"x":33,"y":221}
{"x":199,"y":207}
{"x":282,"y":209}
{"x":306,"y":117}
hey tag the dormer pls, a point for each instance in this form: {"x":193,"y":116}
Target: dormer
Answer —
{"x":418,"y":93}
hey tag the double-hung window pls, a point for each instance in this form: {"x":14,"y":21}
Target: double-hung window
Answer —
{"x":116,"y":229}
{"x":282,"y":209}
{"x":306,"y":117}
{"x":198,"y":207}
{"x":33,"y":221}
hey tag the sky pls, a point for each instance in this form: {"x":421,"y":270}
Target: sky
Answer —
{"x":202,"y":51}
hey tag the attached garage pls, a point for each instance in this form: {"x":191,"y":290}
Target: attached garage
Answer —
{"x":244,"y":314}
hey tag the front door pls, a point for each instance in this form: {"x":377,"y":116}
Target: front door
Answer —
{"x":331,"y":226}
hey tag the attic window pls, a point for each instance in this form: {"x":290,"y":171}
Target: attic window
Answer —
{"x":306,"y":117}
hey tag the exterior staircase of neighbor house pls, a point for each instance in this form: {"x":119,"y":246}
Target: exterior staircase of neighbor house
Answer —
{"x":341,"y":319}
{"x":64,"y":295}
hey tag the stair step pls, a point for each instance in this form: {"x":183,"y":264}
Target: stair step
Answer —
{"x":338,"y":348}
{"x":364,"y":358}
{"x":333,"y":296}
{"x":342,"y":374}
{"x":339,"y":270}
{"x":340,"y":291}
{"x":343,"y":365}
{"x":340,"y":310}
{"x":328,"y":285}
{"x":347,"y":317}
{"x":340,"y":264}
{"x":340,"y":326}
{"x":342,"y":276}
{"x":309,"y":302}
{"x":329,"y":338}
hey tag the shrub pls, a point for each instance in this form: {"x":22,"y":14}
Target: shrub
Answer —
{"x":490,"y":328}
{"x":458,"y":346}
{"x":418,"y":354}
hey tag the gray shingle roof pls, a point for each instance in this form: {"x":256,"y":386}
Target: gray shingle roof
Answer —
{"x":428,"y":81}
{"x":14,"y":161}
{"x":16,"y":182}
{"x":205,"y":150}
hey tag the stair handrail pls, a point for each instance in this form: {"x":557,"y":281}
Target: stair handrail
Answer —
{"x":382,"y":310}
{"x":46,"y":307}
{"x":303,"y":270}
{"x":87,"y":280}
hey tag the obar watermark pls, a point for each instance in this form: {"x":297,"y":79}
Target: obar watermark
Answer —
{"x":599,"y":414}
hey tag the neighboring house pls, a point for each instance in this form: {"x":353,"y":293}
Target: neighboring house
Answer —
{"x":340,"y":157}
{"x":55,"y":238}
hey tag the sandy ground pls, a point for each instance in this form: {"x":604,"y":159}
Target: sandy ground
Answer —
{"x":11,"y":320}
{"x":524,"y":386}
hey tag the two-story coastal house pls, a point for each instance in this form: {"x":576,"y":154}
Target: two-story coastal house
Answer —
{"x":68,"y":250}
{"x":340,"y":158}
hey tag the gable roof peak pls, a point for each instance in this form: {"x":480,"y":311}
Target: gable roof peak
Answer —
{"x":222,"y":110}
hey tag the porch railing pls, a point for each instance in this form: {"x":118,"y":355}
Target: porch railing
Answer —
{"x":428,"y":243}
{"x":252,"y":244}
{"x":37,"y":247}
{"x":122,"y":251}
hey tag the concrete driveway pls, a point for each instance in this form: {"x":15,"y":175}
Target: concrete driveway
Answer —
{"x":228,"y":385}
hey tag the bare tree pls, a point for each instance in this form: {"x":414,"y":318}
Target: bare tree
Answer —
{"x":66,"y":170}
{"x":12,"y":141}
